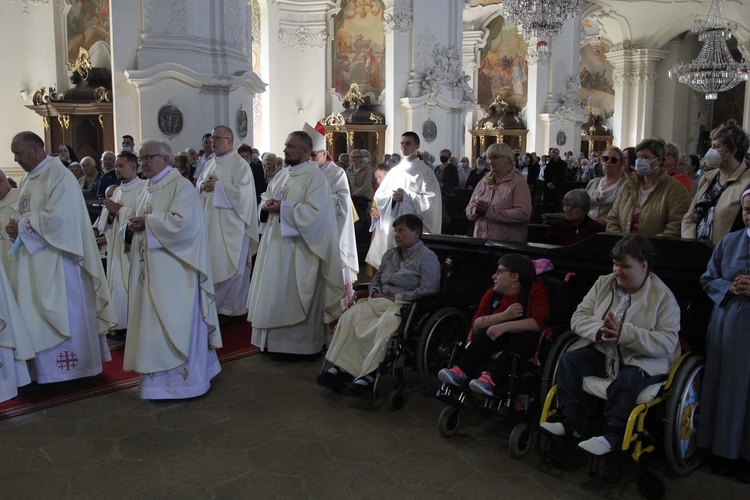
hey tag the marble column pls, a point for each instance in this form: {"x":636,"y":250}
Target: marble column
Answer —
{"x":634,"y":76}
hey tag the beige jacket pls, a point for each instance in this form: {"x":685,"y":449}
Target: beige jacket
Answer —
{"x":727,"y":207}
{"x":661,"y":214}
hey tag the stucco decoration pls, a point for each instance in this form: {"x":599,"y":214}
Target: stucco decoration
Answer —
{"x":302,"y":38}
{"x":401,"y":22}
{"x":234,"y":22}
{"x":27,"y":3}
{"x":165,"y":17}
{"x":571,"y":107}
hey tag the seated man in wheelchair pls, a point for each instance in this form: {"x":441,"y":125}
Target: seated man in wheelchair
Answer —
{"x":407,"y":272}
{"x":510,"y":318}
{"x":628,"y":323}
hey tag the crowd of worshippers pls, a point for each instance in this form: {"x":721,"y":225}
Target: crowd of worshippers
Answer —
{"x":226,"y":233}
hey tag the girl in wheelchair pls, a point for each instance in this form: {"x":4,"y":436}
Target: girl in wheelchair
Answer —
{"x":510,"y":318}
{"x":628,"y":323}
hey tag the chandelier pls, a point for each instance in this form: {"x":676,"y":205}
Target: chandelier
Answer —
{"x":541,"y":20}
{"x":715,"y":70}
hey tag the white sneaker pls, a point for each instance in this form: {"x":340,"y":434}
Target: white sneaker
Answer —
{"x":556,"y":428}
{"x":597,"y":445}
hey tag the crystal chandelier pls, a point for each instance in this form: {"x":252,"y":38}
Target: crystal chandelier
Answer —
{"x":541,"y":20}
{"x":715,"y":70}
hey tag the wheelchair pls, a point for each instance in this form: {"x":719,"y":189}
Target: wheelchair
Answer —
{"x":520,"y":405}
{"x":664,"y":423}
{"x":424,"y":340}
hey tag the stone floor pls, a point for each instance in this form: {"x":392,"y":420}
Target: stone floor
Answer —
{"x":266,"y":430}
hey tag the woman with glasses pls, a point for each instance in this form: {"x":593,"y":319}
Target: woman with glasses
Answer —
{"x":603,"y":190}
{"x":576,"y":224}
{"x":651,"y":203}
{"x":510,"y":318}
{"x":501,"y":203}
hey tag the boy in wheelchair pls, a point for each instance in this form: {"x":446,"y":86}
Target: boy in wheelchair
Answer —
{"x":628,"y":326}
{"x":510,"y":318}
{"x":406,"y":273}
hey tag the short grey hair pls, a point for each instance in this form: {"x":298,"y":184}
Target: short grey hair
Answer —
{"x":162,"y":148}
{"x":578,"y":197}
{"x":86,"y":160}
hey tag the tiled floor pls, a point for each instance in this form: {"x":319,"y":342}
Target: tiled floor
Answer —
{"x":266,"y":430}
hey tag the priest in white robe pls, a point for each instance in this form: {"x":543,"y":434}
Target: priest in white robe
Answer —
{"x":8,"y":212}
{"x":117,"y":210}
{"x":410,"y":187}
{"x":228,"y":199}
{"x":297,"y":286}
{"x":173,"y":328}
{"x":15,"y":343}
{"x":343,"y":208}
{"x":57,"y":275}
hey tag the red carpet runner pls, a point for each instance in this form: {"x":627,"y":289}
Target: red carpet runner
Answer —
{"x":34,"y":397}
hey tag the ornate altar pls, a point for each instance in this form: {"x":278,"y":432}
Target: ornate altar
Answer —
{"x":595,"y":136}
{"x":82,"y":117}
{"x":357,"y":127}
{"x":501,"y":125}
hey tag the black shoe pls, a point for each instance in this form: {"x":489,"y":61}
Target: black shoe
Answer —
{"x":724,"y":466}
{"x":743,"y":471}
{"x":363,"y":386}
{"x":117,"y":335}
{"x":335,"y":378}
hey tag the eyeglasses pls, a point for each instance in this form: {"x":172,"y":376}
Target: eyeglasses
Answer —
{"x":501,"y":271}
{"x":614,"y":159}
{"x":143,"y":158}
{"x":493,"y":158}
{"x":571,"y":206}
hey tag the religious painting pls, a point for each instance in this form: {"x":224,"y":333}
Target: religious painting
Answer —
{"x":87,"y":22}
{"x":596,"y":73}
{"x":359,"y":48}
{"x":170,"y":120}
{"x":503,"y":70}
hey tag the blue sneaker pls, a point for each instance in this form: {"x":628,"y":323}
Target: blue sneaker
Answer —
{"x":453,"y":376}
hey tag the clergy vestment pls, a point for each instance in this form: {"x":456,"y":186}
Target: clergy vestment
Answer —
{"x":421,"y":197}
{"x":232,"y":223}
{"x":8,"y":211}
{"x":343,"y":207}
{"x":15,"y":342}
{"x":118,"y":266}
{"x":172,"y":322}
{"x":297,"y":285}
{"x":58,"y":277}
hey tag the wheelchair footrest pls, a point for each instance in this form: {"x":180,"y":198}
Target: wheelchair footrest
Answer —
{"x":607,"y":467}
{"x":562,"y":451}
{"x":451,"y":394}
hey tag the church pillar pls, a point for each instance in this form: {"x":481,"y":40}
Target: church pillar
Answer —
{"x":437,"y":94}
{"x":190,"y":54}
{"x":299,"y":69}
{"x":634,"y":77}
{"x":538,"y":94}
{"x":473,"y":42}
{"x":397,"y":26}
{"x":560,"y":118}
{"x":745,"y":51}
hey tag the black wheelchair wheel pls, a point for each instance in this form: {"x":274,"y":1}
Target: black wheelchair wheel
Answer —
{"x":651,"y":485}
{"x":396,"y":399}
{"x":549,"y":373}
{"x":444,"y":328}
{"x":683,"y":409}
{"x":449,"y":420}
{"x":520,"y":440}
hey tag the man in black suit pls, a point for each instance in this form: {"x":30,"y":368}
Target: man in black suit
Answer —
{"x":554,"y":179}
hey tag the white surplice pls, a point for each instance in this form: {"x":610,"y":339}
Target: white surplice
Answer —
{"x":8,"y":211}
{"x":15,"y":343}
{"x":421,"y":197}
{"x":58,"y":277}
{"x":172,"y":322}
{"x":231,"y":218}
{"x":297,"y":285}
{"x":343,"y":207}
{"x":118,"y":265}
